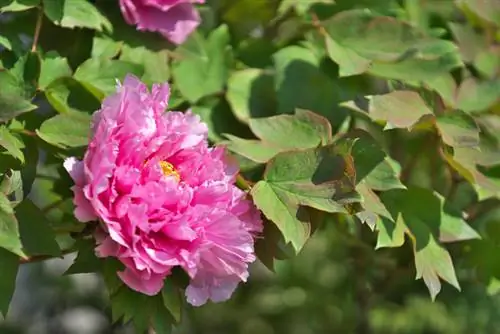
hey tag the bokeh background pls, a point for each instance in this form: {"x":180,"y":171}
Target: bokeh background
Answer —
{"x":336,"y":285}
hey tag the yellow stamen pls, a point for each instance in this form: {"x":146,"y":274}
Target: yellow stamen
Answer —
{"x":168,"y":169}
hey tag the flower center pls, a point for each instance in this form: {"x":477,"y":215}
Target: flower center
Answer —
{"x":168,"y":169}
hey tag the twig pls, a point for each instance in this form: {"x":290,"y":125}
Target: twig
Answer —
{"x":242,"y":183}
{"x":38,"y":28}
{"x":38,"y":258}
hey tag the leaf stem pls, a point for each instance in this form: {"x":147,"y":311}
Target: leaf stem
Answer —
{"x":39,"y":258}
{"x":38,"y":28}
{"x":242,"y":183}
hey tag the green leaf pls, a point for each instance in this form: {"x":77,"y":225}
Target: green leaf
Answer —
{"x":487,"y":62}
{"x":203,"y":67}
{"x":305,"y":129}
{"x":400,"y":109}
{"x":104,"y":46}
{"x":423,"y":214}
{"x":11,"y":182}
{"x":67,"y":95}
{"x":13,"y":99}
{"x":10,"y":264}
{"x":66,"y":130}
{"x":9,"y":230}
{"x":373,"y":208}
{"x":300,"y":83}
{"x":86,"y":261}
{"x":301,"y":7}
{"x":433,"y":262}
{"x":250,"y":94}
{"x":156,"y":68}
{"x":17,"y":5}
{"x":172,"y":299}
{"x":469,"y":42}
{"x":75,"y":14}
{"x":37,"y":236}
{"x":458,"y":129}
{"x":99,"y":75}
{"x":395,"y":48}
{"x":216,"y":113}
{"x":27,"y":71}
{"x":53,"y":67}
{"x":350,"y":63}
{"x":5,"y":42}
{"x":320,"y":178}
{"x":445,"y":86}
{"x":390,"y":233}
{"x":373,"y":166}
{"x":11,"y":143}
{"x":282,"y":133}
{"x":465,"y":160}
{"x":475,"y":95}
{"x":487,"y":9}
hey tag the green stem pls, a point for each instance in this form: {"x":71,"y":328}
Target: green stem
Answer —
{"x":242,"y":183}
{"x":38,"y":28}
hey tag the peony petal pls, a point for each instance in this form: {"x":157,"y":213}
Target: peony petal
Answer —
{"x":75,"y":170}
{"x":142,"y":283}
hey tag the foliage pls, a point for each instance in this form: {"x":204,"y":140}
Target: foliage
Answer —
{"x":340,"y":113}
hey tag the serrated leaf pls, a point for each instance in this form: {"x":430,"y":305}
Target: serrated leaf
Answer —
{"x":66,"y":130}
{"x":320,"y":178}
{"x":476,"y":95}
{"x":373,"y":208}
{"x":11,"y":182}
{"x":300,"y":83}
{"x":75,"y":14}
{"x":282,"y":133}
{"x":5,"y":42}
{"x":86,"y":261}
{"x":17,"y":5}
{"x":487,"y":62}
{"x":250,"y":94}
{"x":422,"y":212}
{"x":284,"y":213}
{"x":301,"y":7}
{"x":216,"y":113}
{"x":373,"y":166}
{"x":445,"y":86}
{"x":27,"y":71}
{"x":10,"y":264}
{"x":53,"y":67}
{"x":11,"y":143}
{"x":37,"y":236}
{"x":156,"y":63}
{"x":9,"y":230}
{"x":393,"y":48}
{"x":350,"y":63}
{"x":458,"y":129}
{"x":469,"y":42}
{"x":305,"y":129}
{"x":465,"y":160}
{"x":67,"y":94}
{"x":390,"y":233}
{"x":433,"y":262}
{"x":100,"y":75}
{"x":13,"y":99}
{"x":171,"y":297}
{"x":202,"y":70}
{"x":400,"y":109}
{"x":487,"y":9}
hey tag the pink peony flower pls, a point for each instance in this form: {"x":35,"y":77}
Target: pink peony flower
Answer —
{"x":174,"y":19}
{"x":163,"y":197}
